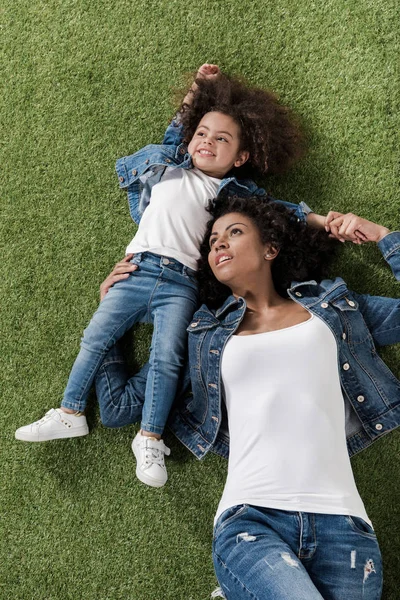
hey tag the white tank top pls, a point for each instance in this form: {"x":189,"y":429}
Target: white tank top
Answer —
{"x":175,"y":221}
{"x":287,"y":423}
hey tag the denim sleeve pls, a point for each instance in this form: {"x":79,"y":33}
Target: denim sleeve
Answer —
{"x":173,"y":135}
{"x":382,"y":315}
{"x":300,"y":210}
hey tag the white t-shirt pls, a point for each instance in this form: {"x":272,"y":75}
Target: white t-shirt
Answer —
{"x":175,"y":221}
{"x":287,"y":423}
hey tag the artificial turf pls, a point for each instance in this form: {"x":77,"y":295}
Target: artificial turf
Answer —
{"x":84,"y":82}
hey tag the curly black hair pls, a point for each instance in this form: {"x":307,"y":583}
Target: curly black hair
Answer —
{"x":304,"y":253}
{"x":269,"y":131}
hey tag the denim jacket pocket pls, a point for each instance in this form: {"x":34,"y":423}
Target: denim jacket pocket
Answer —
{"x":345,"y":303}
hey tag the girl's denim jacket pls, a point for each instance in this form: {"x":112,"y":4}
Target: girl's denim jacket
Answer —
{"x":140,"y":171}
{"x":359,"y":323}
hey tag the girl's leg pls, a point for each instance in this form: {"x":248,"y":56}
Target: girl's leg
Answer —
{"x":126,"y":303}
{"x":347,"y":562}
{"x":120,"y":396}
{"x":153,"y":390}
{"x":172,"y":309}
{"x":253,"y":559}
{"x":173,"y":304}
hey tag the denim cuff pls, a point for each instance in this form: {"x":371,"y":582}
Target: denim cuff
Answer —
{"x":389,"y":244}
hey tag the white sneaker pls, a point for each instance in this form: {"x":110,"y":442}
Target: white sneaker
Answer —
{"x":54,"y":425}
{"x":149,"y":454}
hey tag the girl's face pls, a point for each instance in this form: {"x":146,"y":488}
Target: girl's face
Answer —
{"x":215,"y":145}
{"x":237,"y":254}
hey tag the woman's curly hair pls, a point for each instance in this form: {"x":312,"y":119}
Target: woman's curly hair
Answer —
{"x":269,"y":131}
{"x":304,"y":253}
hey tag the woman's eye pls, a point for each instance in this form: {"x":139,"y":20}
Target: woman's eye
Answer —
{"x":235,"y":231}
{"x":212,"y":241}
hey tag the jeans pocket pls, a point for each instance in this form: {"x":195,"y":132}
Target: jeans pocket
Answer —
{"x":227,"y":517}
{"x":360,"y":526}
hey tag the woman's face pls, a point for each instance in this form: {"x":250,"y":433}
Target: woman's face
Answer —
{"x":237,"y":254}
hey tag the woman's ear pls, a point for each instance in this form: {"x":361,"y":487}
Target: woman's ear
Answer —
{"x":270,"y":252}
{"x":242,"y":157}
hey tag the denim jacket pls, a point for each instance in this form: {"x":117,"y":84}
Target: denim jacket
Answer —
{"x":140,"y":171}
{"x":359,"y":323}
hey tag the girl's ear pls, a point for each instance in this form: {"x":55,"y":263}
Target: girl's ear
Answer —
{"x":243,"y":156}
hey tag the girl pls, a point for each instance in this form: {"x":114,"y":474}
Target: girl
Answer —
{"x":224,"y":131}
{"x":297,"y":368}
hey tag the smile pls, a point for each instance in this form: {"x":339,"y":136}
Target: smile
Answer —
{"x":205,"y":153}
{"x":221,"y":259}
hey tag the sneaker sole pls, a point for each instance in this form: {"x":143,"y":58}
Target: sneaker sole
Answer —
{"x":142,"y":476}
{"x":28,"y":437}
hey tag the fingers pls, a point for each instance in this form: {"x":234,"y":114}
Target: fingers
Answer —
{"x":345,"y":228}
{"x":334,"y":225}
{"x":121,"y":270}
{"x":332,"y":214}
{"x":208,"y":71}
{"x":350,"y":227}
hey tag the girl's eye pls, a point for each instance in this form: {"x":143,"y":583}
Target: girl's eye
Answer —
{"x":200,"y":133}
{"x":222,"y":139}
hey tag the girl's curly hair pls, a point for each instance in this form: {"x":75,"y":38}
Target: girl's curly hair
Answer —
{"x":304,"y":253}
{"x":269,"y":131}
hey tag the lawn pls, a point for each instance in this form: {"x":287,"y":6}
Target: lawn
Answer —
{"x":83,"y":83}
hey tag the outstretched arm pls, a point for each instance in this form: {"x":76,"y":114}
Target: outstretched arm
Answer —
{"x":206,"y":71}
{"x":174,"y":133}
{"x":382,"y":315}
{"x":350,"y":227}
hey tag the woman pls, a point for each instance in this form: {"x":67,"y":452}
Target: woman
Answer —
{"x":290,"y":523}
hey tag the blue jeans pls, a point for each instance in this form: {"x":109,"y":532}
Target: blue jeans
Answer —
{"x":268,"y":554}
{"x":163,"y":292}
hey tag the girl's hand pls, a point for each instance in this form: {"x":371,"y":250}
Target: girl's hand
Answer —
{"x":122,"y":270}
{"x":208,"y":71}
{"x":350,"y":227}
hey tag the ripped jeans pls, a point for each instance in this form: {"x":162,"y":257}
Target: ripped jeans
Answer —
{"x":269,"y":554}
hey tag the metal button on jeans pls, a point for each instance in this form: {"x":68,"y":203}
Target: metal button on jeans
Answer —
{"x":165,"y":261}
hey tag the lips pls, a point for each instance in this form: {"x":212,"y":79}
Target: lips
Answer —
{"x":222,"y":258}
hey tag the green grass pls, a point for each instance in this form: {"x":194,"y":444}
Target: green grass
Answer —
{"x":82,"y":84}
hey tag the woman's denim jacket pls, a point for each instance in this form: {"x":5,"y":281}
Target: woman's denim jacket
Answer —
{"x":359,"y":323}
{"x":140,"y":171}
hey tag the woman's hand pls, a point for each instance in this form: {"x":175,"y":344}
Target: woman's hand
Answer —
{"x":350,"y":227}
{"x":122,"y":270}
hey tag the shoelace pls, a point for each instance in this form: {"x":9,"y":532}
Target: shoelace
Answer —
{"x":154,"y":455}
{"x":47,"y":416}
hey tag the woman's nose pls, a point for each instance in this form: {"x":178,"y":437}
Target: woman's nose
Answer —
{"x":220,"y":243}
